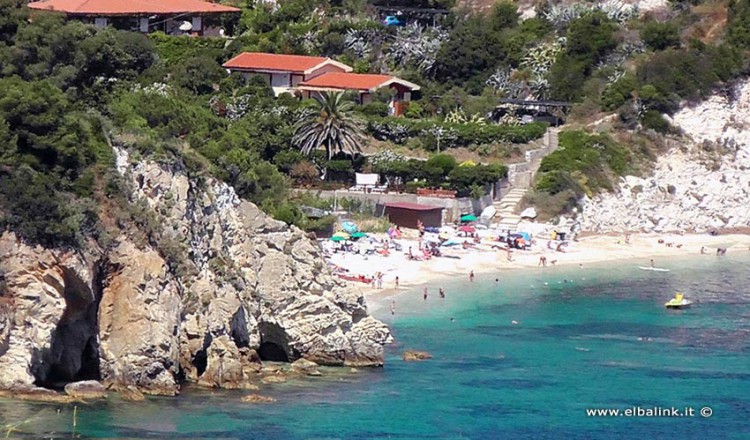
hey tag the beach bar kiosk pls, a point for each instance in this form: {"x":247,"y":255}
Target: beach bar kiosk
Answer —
{"x":406,"y":215}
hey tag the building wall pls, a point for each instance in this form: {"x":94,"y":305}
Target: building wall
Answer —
{"x":408,"y":218}
{"x":324,"y":69}
{"x":281,"y":80}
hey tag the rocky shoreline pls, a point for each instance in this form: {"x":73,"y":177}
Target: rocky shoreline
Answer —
{"x":700,"y":185}
{"x":237,"y":289}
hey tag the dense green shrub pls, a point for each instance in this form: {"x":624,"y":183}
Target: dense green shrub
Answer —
{"x":443,"y":162}
{"x":464,"y":178}
{"x":590,"y":38}
{"x":654,"y":120}
{"x":659,"y":36}
{"x":174,"y":49}
{"x":399,"y":130}
{"x":587,"y":159}
{"x":619,"y":92}
{"x":679,"y":74}
{"x":34,"y":208}
{"x":738,"y":23}
{"x":380,"y":109}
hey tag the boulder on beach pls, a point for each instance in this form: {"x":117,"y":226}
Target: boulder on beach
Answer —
{"x":414,"y":355}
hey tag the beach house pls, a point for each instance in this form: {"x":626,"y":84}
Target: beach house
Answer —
{"x":305,"y":76}
{"x":191,"y":17}
{"x":364,"y":84}
{"x":284,"y":72}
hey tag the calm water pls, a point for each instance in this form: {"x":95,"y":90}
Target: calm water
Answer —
{"x":601,"y":340}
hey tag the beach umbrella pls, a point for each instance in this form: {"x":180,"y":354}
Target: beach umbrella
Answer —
{"x":467,"y":228}
{"x":359,"y":235}
{"x":343,"y":235}
{"x":526,"y":236}
{"x":337,"y":238}
{"x":468,"y":218}
{"x":349,"y":227}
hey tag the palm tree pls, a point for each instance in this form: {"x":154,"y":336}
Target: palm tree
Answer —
{"x":331,"y":126}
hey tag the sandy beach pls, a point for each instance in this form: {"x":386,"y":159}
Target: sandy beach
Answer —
{"x":484,"y":260}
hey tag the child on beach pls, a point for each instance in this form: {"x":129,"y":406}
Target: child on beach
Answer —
{"x":441,"y":293}
{"x":471,"y":276}
{"x":396,"y":281}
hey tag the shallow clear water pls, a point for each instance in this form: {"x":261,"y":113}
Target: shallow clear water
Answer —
{"x":601,"y":340}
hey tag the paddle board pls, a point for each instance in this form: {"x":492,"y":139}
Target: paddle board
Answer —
{"x":655,"y":269}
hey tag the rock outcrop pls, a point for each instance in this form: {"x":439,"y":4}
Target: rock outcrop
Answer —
{"x":415,"y":355}
{"x":87,"y":389}
{"x":697,"y":186}
{"x":222,"y":289}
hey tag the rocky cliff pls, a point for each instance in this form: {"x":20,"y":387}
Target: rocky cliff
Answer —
{"x":226,"y":288}
{"x":701,"y":184}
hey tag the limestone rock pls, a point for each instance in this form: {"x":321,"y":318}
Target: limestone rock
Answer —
{"x":414,"y":355}
{"x":130,"y":394}
{"x":87,"y":389}
{"x":273,"y":379}
{"x":257,"y":398}
{"x":694,"y":188}
{"x":216,"y":288}
{"x":38,"y":394}
{"x":139,"y":318}
{"x":303,"y":366}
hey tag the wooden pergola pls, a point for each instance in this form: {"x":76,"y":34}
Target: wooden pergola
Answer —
{"x":542,"y":110}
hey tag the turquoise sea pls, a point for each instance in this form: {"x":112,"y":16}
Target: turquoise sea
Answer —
{"x":600,"y":340}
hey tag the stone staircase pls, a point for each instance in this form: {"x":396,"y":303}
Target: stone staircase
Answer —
{"x":521,"y":177}
{"x":506,"y":207}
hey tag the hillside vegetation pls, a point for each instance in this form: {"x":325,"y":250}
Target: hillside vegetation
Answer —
{"x":69,"y":91}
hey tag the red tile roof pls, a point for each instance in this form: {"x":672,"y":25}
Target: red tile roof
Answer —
{"x":348,"y":81}
{"x":271,"y":61}
{"x":130,"y":7}
{"x":411,"y":206}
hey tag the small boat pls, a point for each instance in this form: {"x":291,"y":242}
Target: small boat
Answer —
{"x":678,"y":302}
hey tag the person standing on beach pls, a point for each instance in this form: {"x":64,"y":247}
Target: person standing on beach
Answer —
{"x":652,"y":262}
{"x":425,"y":294}
{"x":396,"y":281}
{"x":441,"y":293}
{"x":471,"y":276}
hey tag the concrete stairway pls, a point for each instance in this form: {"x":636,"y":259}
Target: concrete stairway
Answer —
{"x":506,"y":217}
{"x":506,"y":208}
